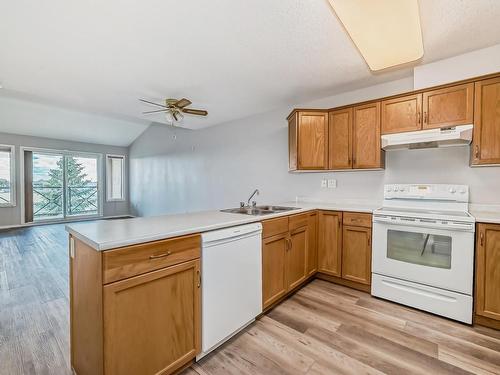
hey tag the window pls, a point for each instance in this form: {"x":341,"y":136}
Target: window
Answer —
{"x":115,"y":177}
{"x":7,"y":179}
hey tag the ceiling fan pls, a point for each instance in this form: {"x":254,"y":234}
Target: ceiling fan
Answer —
{"x":174,"y":109}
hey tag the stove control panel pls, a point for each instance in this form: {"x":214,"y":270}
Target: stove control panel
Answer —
{"x":443,"y":192}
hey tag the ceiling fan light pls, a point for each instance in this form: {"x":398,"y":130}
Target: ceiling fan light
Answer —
{"x":169,"y":118}
{"x":387,"y":33}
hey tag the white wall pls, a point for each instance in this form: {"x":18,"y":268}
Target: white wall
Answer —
{"x":12,"y":215}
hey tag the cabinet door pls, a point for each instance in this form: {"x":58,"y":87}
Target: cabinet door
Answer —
{"x":488,"y":271}
{"x":274,"y":250}
{"x":296,"y":260}
{"x":366,"y":137}
{"x":312,"y":244}
{"x":311,"y":140}
{"x":357,"y":254}
{"x":340,"y":139}
{"x":152,"y":321}
{"x":450,"y":106}
{"x":402,"y":114}
{"x":330,"y":243}
{"x":486,"y":142}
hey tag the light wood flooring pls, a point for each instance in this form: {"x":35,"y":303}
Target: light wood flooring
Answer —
{"x":322,"y":329}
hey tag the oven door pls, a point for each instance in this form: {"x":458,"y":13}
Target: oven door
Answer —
{"x":432,"y":256}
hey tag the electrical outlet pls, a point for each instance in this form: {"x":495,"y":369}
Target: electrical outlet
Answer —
{"x":332,"y":184}
{"x":324,"y":183}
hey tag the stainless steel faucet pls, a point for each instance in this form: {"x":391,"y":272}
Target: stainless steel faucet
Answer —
{"x":254,"y":203}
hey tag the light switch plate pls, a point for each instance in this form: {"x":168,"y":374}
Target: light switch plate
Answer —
{"x":332,"y":184}
{"x":324,"y":183}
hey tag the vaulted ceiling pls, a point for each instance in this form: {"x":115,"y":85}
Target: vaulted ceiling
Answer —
{"x":233,"y":58}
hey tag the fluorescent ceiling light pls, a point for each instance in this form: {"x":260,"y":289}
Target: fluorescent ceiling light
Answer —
{"x":386,"y":32}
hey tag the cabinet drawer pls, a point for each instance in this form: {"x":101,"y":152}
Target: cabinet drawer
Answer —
{"x":297,"y":221}
{"x":273,"y":227}
{"x":357,"y":219}
{"x":138,"y":259}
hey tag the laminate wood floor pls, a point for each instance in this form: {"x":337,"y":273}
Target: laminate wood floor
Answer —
{"x":322,"y":329}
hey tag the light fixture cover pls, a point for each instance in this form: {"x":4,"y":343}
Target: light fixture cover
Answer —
{"x":386,"y":32}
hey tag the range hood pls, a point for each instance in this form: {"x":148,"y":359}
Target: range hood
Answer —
{"x":444,"y":137}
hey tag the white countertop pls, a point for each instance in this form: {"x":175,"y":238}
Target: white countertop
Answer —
{"x":485,"y":213}
{"x":109,"y":234}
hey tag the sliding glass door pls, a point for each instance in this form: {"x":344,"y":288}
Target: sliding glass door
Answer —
{"x":62,"y":185}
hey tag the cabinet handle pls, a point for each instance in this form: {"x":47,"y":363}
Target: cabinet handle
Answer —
{"x":198,"y":273}
{"x":481,"y":237}
{"x":291,"y":244}
{"x":426,"y":117}
{"x":369,"y":241}
{"x":477,"y":152}
{"x":160,"y":255}
{"x":418,"y":117}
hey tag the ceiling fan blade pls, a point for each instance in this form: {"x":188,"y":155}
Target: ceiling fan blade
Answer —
{"x":183,"y":103}
{"x":198,"y":112}
{"x":159,"y":105}
{"x":159,"y":110}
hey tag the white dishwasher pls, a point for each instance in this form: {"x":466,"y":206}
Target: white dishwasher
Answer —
{"x":231,"y":268}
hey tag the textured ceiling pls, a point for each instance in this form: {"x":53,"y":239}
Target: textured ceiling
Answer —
{"x":233,"y":58}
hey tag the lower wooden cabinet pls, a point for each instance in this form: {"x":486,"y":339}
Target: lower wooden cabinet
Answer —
{"x":145,"y":322}
{"x":152,"y":321}
{"x":330,"y":243}
{"x":487,"y":295}
{"x":287,"y":256}
{"x":356,"y":254}
{"x":312,"y":244}
{"x":274,"y":250}
{"x":345,"y":250}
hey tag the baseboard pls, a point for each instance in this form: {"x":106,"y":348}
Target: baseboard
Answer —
{"x":16,"y":226}
{"x":351,"y":284}
{"x":487,"y":322}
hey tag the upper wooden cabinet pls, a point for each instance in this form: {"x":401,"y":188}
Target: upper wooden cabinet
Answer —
{"x":367,"y":153}
{"x":486,"y":143}
{"x":308,"y":137}
{"x":340,"y":139}
{"x":450,"y":106}
{"x":487,"y":297}
{"x":402,"y":114}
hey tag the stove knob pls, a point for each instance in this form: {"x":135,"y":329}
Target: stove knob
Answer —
{"x":463,"y":191}
{"x":453,"y":190}
{"x":389,"y":189}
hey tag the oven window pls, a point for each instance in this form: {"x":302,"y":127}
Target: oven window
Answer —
{"x":419,"y":248}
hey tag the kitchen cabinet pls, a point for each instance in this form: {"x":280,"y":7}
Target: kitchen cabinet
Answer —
{"x":330,"y":243}
{"x":312,"y":244}
{"x":340,"y":139}
{"x":486,"y":142}
{"x":356,"y":254}
{"x":285,"y":255}
{"x":136,"y":309}
{"x":344,"y":252}
{"x":487,"y":292}
{"x":367,"y":152}
{"x":274,"y":251}
{"x":449,"y":106}
{"x":402,"y":114}
{"x":308,"y":137}
{"x":152,"y":321}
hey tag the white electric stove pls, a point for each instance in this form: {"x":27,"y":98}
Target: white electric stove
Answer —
{"x":423,"y":249}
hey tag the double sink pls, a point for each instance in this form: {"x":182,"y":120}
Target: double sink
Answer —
{"x":259,"y":210}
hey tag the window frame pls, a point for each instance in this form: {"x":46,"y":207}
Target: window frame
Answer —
{"x":13,"y":181}
{"x":109,"y":178}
